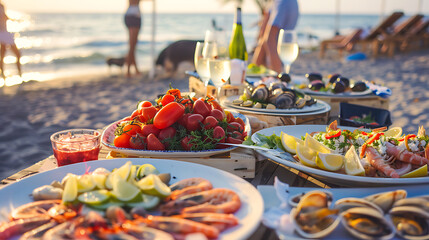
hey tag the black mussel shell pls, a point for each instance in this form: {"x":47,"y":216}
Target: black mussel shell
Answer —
{"x":333,"y":77}
{"x":284,"y":101}
{"x":309,"y":100}
{"x":359,"y":87}
{"x":313,"y":76}
{"x":277,"y":85}
{"x":338,"y":86}
{"x":284,"y":77}
{"x":345,"y":80}
{"x":260,"y":93}
{"x":316,"y":85}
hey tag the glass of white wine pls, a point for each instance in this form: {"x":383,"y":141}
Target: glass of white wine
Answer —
{"x":201,"y":63}
{"x":287,"y":48}
{"x":220,"y":71}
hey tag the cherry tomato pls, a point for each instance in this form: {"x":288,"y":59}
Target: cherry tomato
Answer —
{"x":147,"y":113}
{"x":153,"y":143}
{"x":239,"y":120}
{"x":194,"y":122}
{"x":132,"y":129}
{"x":167,"y":133}
{"x":229,"y":117}
{"x":135,"y":114}
{"x":122,"y":141}
{"x":185,"y":143}
{"x":148,"y":129}
{"x":138,"y":141}
{"x":167,"y":99}
{"x":234,"y":126}
{"x":233,"y":140}
{"x":200,"y":107}
{"x":184,"y":119}
{"x":216,"y":113}
{"x":219,"y":133}
{"x":143,"y":104}
{"x":216,"y":105}
{"x":210,"y":122}
{"x":168,"y":115}
{"x":237,"y":135}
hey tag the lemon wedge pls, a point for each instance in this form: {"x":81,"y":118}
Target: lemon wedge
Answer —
{"x":147,"y":202}
{"x":146,"y":169}
{"x":289,"y":142}
{"x":394,"y":132}
{"x":352,"y":163}
{"x":315,"y":145}
{"x":153,"y":185}
{"x":329,"y":162}
{"x":70,"y":189}
{"x":124,"y":171}
{"x":306,"y":155}
{"x":99,"y":180}
{"x":94,"y":197}
{"x":85,"y":183}
{"x":419,"y":172}
{"x":123,"y":190}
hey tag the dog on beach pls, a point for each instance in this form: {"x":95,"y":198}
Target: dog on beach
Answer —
{"x":119,"y":62}
{"x":175,"y":59}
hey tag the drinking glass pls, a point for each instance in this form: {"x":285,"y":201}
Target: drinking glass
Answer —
{"x":203,"y":52}
{"x":75,"y":145}
{"x":287,"y":47}
{"x":220,"y":71}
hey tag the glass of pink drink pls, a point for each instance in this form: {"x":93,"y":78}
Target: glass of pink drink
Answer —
{"x":75,"y":145}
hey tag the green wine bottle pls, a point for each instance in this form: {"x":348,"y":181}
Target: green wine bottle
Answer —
{"x":237,"y":46}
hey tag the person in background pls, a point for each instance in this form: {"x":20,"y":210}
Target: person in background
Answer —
{"x":283,"y":15}
{"x":7,"y":39}
{"x":133,"y":22}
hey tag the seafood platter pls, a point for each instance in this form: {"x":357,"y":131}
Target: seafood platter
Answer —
{"x":176,"y":125}
{"x":130,"y":199}
{"x":380,"y":213}
{"x":350,"y":156}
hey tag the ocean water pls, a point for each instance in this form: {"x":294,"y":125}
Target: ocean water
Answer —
{"x":56,"y":45}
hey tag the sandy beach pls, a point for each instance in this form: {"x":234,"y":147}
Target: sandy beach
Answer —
{"x":31,"y":112}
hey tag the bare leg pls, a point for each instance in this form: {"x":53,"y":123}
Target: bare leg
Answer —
{"x":2,"y":54}
{"x":18,"y":58}
{"x":131,"y":59}
{"x":271,"y":49}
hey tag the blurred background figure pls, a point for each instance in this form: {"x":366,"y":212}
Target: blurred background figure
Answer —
{"x":282,"y":15}
{"x":133,"y":22}
{"x":7,"y":39}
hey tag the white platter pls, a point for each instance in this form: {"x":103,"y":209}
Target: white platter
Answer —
{"x":109,"y":135}
{"x":249,"y":214}
{"x":332,"y":177}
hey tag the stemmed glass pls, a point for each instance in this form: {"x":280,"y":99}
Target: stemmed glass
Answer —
{"x":220,"y":71}
{"x":203,"y":52}
{"x":287,"y":47}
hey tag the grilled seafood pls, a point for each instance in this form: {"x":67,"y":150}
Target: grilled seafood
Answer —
{"x":405,"y":156}
{"x":188,"y":186}
{"x":377,"y":161}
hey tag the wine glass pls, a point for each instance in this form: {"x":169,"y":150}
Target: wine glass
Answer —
{"x":287,"y":47}
{"x":204,"y":51}
{"x":220,"y":71}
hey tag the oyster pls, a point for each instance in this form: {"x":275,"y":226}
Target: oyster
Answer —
{"x":410,"y":222}
{"x":367,"y":223}
{"x":312,"y":218}
{"x":386,"y":200}
{"x":260,"y":93}
{"x":345,"y":204}
{"x":313,"y":76}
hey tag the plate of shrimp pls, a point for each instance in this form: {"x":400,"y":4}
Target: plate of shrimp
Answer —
{"x":385,"y":160}
{"x":201,"y":201}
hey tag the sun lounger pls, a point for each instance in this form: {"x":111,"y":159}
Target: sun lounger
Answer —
{"x":416,"y":38}
{"x":340,"y":43}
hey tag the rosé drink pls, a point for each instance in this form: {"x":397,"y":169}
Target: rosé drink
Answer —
{"x":74,"y":146}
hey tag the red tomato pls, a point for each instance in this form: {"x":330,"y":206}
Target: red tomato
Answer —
{"x":219,"y":133}
{"x":167,"y":99}
{"x":153,"y":143}
{"x":168,"y":115}
{"x":200,"y":107}
{"x":216,"y":113}
{"x":138,"y":141}
{"x":167,"y":133}
{"x":132,"y":129}
{"x":147,"y":113}
{"x":216,"y":105}
{"x":194,"y":122}
{"x":185,"y":143}
{"x":239,"y":120}
{"x":148,"y":129}
{"x":143,"y":104}
{"x":125,"y":119}
{"x":233,"y":140}
{"x":135,"y":114}
{"x":237,"y":135}
{"x":234,"y":126}
{"x":210,"y":122}
{"x":122,"y":141}
{"x":229,"y":117}
{"x":184,"y":119}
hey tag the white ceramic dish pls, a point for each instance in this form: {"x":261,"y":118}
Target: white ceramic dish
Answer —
{"x":249,"y":214}
{"x":109,"y":135}
{"x":332,"y":177}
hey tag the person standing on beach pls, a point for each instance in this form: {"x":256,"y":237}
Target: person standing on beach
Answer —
{"x":133,"y":22}
{"x":7,"y":39}
{"x":283,"y":15}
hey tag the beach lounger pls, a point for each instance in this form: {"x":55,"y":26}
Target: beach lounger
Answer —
{"x":341,"y":43}
{"x":416,"y":38}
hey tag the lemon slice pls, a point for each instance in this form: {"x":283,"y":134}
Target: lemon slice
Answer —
{"x":146,"y":169}
{"x":289,"y":142}
{"x":123,"y":190}
{"x":70,"y":189}
{"x":85,"y":183}
{"x":394,"y":132}
{"x":94,"y":197}
{"x":153,"y":185}
{"x":124,"y":171}
{"x":352,"y":163}
{"x":99,"y":180}
{"x":147,"y":202}
{"x":419,"y":172}
{"x":315,"y":145}
{"x":330,"y":162}
{"x":306,"y":155}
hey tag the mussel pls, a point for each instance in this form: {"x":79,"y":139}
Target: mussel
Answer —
{"x":421,"y":202}
{"x":260,"y":93}
{"x":410,"y":222}
{"x":277,"y":85}
{"x":295,"y":199}
{"x":345,"y":80}
{"x":309,"y":100}
{"x":359,"y":87}
{"x":338,"y":86}
{"x":333,"y":77}
{"x":316,"y":85}
{"x":284,"y":77}
{"x":284,"y":100}
{"x":345,"y":204}
{"x":313,"y":76}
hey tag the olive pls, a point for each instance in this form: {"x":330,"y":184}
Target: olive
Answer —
{"x":284,"y":77}
{"x":338,"y":86}
{"x":359,"y":87}
{"x":333,"y":77}
{"x":316,"y":85}
{"x":313,"y":76}
{"x":345,"y":80}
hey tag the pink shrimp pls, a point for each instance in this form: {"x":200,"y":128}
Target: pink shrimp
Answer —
{"x":20,"y":226}
{"x":405,"y":156}
{"x":180,"y":225}
{"x":378,"y":163}
{"x":220,"y":221}
{"x":34,"y":209}
{"x":189,"y":186}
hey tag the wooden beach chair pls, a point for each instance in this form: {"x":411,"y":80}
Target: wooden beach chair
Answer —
{"x":341,"y":43}
{"x":416,"y":38}
{"x":382,"y":28}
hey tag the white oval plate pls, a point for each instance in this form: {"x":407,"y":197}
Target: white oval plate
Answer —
{"x":332,"y":177}
{"x":249,"y":214}
{"x":109,"y":135}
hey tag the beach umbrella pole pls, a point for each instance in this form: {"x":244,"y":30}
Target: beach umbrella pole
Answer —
{"x":152,"y":43}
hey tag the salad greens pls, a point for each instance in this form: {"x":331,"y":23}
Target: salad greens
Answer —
{"x":271,"y":142}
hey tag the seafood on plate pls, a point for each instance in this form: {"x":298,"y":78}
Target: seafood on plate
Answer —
{"x":124,"y":204}
{"x":333,"y":83}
